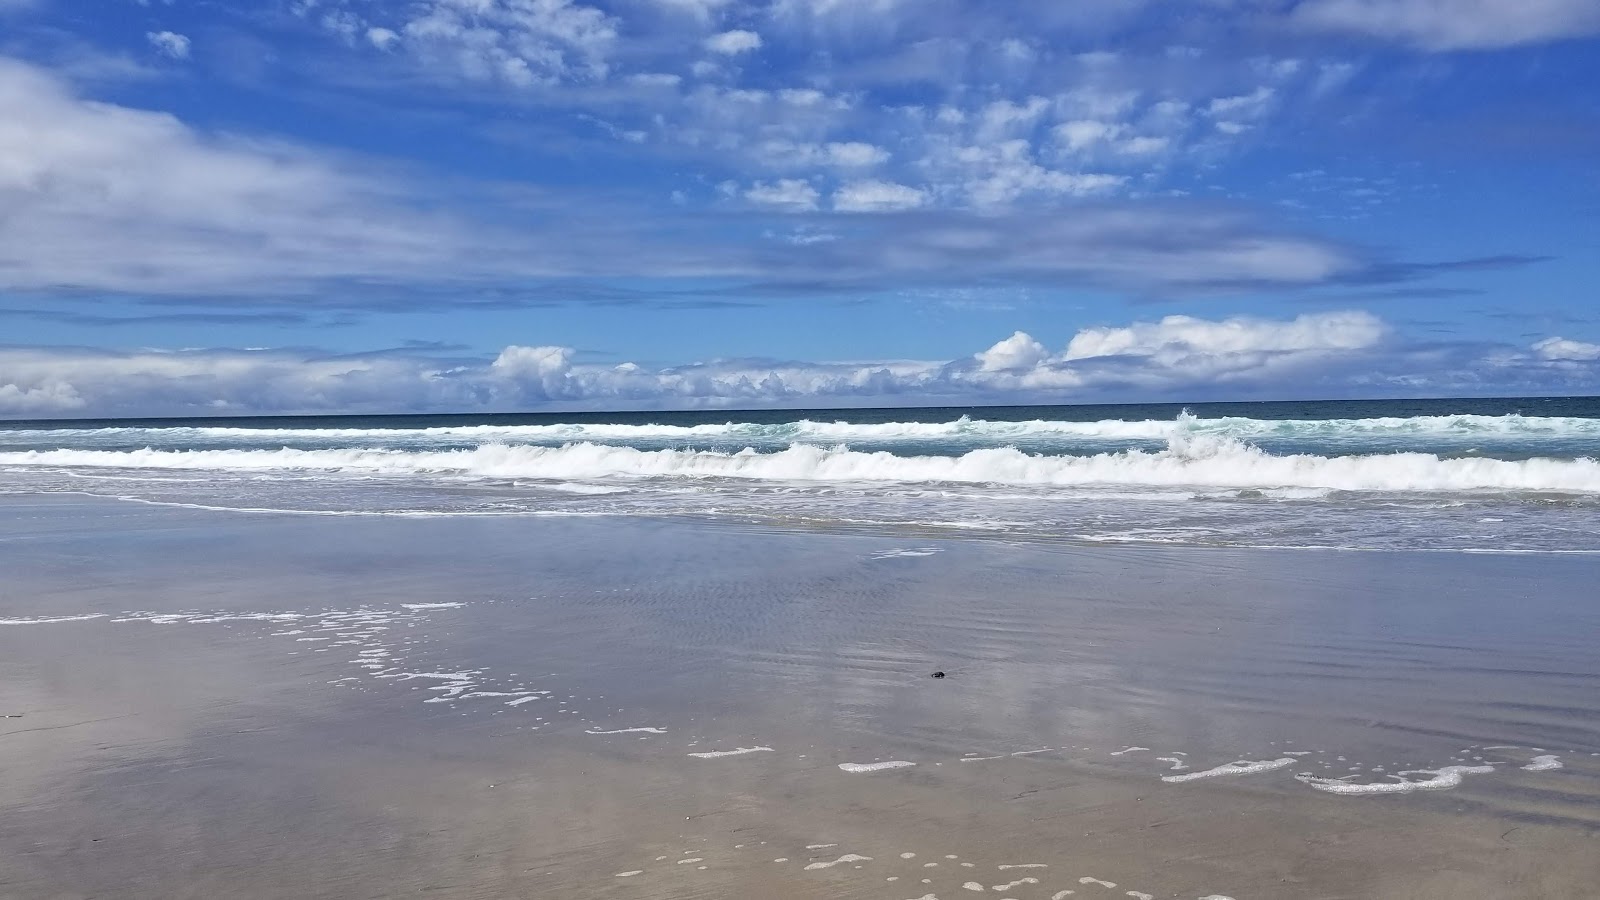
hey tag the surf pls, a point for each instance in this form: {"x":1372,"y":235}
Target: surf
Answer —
{"x":1189,"y":461}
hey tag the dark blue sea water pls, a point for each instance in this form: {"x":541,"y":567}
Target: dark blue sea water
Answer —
{"x":1471,"y":474}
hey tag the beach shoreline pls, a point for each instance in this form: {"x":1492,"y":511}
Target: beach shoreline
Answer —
{"x":606,"y":693}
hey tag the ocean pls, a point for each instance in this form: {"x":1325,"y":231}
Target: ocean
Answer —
{"x":1486,"y":475}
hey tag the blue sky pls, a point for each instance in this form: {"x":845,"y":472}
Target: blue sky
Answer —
{"x":453,"y":205}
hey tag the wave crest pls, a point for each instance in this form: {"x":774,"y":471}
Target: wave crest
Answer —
{"x":1191,"y":461}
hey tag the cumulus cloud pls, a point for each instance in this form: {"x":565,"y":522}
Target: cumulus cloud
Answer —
{"x":1454,"y":24}
{"x":1560,"y":348}
{"x":1018,"y":352}
{"x":169,"y":44}
{"x":1178,"y":357}
{"x":733,"y":43}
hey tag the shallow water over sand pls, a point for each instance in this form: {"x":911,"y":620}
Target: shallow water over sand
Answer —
{"x":271,"y":706}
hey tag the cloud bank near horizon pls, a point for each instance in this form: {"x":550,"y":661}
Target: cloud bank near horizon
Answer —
{"x":1333,"y":354}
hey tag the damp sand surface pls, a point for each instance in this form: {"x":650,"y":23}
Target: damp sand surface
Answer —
{"x":663,"y":709}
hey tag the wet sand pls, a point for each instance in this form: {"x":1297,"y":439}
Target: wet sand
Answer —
{"x":248,"y":714}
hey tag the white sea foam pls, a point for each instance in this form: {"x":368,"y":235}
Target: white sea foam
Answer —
{"x":862,"y":768}
{"x":1189,"y":462}
{"x":49,"y":620}
{"x":1437,"y":780}
{"x":847,"y":858}
{"x":718,"y":754}
{"x":431,"y":605}
{"x":646,"y":730}
{"x":1543,"y":763}
{"x":906,"y":552}
{"x":1240,"y":767}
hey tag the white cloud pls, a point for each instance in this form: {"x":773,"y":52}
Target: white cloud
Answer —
{"x":1145,"y":146}
{"x":733,"y":43}
{"x":786,"y":193}
{"x":877,"y":196}
{"x":1004,"y":119}
{"x":1242,"y":106}
{"x":382,"y":38}
{"x":1128,"y":137}
{"x":1018,"y":352}
{"x":1082,"y":134}
{"x":783,"y":154}
{"x":1175,"y":355}
{"x":855,"y":154}
{"x":1454,"y":24}
{"x":656,"y":79}
{"x":169,"y":43}
{"x":1234,"y":115}
{"x":1177,"y":338}
{"x":108,"y":198}
{"x":1560,"y":348}
{"x":996,"y":175}
{"x":69,"y":381}
{"x":100,"y":197}
{"x":517,"y":43}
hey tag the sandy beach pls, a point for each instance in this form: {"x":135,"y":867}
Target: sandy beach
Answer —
{"x":205,"y":704}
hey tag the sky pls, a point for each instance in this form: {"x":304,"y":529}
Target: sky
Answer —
{"x":363,"y":206}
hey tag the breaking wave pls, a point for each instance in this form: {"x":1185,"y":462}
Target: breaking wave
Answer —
{"x":1190,"y":461}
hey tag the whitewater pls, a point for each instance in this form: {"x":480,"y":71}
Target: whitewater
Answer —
{"x":1453,"y":479}
{"x":1188,"y":462}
